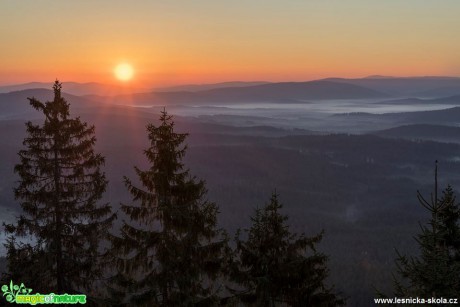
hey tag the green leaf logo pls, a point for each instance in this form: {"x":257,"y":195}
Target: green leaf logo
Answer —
{"x":10,"y":292}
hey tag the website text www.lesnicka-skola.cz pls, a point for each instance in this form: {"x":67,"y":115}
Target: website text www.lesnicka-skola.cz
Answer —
{"x":416,"y":300}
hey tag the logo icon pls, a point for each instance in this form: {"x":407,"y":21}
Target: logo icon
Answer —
{"x":13,"y":290}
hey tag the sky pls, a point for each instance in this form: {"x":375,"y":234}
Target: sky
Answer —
{"x":206,"y":41}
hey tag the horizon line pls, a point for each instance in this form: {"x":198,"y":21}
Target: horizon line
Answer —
{"x":132,"y":84}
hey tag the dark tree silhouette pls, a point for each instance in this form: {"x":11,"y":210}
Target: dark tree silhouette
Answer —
{"x":60,"y":185}
{"x":436,"y":272}
{"x":170,"y":249}
{"x":274,"y":266}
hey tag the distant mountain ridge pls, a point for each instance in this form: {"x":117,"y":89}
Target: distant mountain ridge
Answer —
{"x":422,"y":132}
{"x":75,"y":88}
{"x":452,"y":100}
{"x":444,"y":117}
{"x":281,"y":92}
{"x":210,"y":86}
{"x":428,"y":86}
{"x":396,"y":90}
{"x":14,"y":103}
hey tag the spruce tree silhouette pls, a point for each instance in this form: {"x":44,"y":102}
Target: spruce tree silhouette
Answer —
{"x":436,"y":272}
{"x":170,"y":249}
{"x":274,"y":266}
{"x":60,"y":185}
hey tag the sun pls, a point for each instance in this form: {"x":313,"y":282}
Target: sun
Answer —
{"x":124,"y":72}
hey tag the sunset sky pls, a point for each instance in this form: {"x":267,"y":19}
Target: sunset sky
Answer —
{"x":201,"y":41}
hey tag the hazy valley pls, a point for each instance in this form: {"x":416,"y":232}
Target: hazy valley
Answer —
{"x":345,"y":155}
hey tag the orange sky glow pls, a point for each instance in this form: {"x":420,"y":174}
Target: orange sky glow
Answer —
{"x":203,"y":41}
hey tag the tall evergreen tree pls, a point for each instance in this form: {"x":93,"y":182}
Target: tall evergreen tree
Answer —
{"x":450,"y":227}
{"x":274,"y":266}
{"x":59,"y":188}
{"x":170,"y":247}
{"x":436,"y":272}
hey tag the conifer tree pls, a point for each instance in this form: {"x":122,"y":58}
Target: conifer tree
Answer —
{"x":274,"y":266}
{"x":60,"y":185}
{"x":436,"y":272}
{"x":170,"y":249}
{"x":450,"y":228}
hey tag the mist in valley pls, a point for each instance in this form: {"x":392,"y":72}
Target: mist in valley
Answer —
{"x":349,"y":166}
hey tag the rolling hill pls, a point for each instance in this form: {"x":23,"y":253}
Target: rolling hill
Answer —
{"x":422,"y":132}
{"x":76,"y":88}
{"x":283,"y":92}
{"x":15,"y":103}
{"x":204,"y":87}
{"x":408,"y":86}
